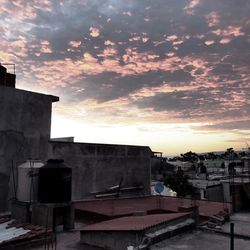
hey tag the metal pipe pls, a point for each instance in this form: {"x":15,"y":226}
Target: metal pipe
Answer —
{"x":13,"y":177}
{"x":231,"y":236}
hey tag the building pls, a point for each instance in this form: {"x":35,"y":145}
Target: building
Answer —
{"x":136,"y":231}
{"x":209,"y":190}
{"x":104,"y":209}
{"x":97,"y":169}
{"x":119,"y":223}
{"x":25,"y":121}
{"x":105,"y":170}
{"x":236,"y":190}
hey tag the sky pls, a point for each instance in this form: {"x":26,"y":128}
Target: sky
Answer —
{"x":170,"y":74}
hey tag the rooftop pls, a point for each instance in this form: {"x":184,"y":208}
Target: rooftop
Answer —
{"x":133,"y":223}
{"x":16,"y":233}
{"x":127,"y":206}
{"x":197,"y":240}
{"x":11,"y":91}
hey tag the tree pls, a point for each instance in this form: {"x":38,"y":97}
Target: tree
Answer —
{"x":230,"y":154}
{"x":178,"y":182}
{"x":190,"y":156}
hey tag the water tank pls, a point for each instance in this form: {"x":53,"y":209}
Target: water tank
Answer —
{"x":27,"y":180}
{"x":54,"y":182}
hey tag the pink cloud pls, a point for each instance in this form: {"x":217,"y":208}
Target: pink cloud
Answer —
{"x":209,"y":42}
{"x":213,"y":19}
{"x":108,"y":42}
{"x":225,"y":40}
{"x":75,"y":43}
{"x":127,"y":13}
{"x":233,"y":31}
{"x":94,"y":31}
{"x":189,"y":8}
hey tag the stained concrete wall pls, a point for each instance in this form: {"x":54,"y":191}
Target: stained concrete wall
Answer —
{"x":120,"y":240}
{"x":96,"y":167}
{"x":25,"y":120}
{"x":214,"y":193}
{"x":112,"y":240}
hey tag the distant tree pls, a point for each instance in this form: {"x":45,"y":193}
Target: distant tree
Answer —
{"x":243,"y":154}
{"x":212,"y":156}
{"x":190,"y":156}
{"x":178,"y":182}
{"x":231,"y":154}
{"x":201,"y":157}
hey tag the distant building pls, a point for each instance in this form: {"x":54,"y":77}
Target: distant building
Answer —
{"x":209,"y":190}
{"x":215,"y":165}
{"x":184,"y":165}
{"x":237,"y":191}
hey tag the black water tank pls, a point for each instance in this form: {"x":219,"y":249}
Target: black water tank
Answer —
{"x":54,"y":182}
{"x":10,"y":80}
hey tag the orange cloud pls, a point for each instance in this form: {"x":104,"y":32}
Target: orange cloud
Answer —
{"x":189,"y":8}
{"x":94,"y":31}
{"x":75,"y":44}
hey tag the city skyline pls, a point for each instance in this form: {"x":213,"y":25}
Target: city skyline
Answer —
{"x":173,"y":75}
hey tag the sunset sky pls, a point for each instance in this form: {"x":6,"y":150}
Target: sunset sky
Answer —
{"x":170,"y":74}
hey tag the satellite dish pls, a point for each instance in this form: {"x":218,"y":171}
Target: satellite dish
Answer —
{"x":159,"y":187}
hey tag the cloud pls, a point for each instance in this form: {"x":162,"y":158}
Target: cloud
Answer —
{"x":180,"y":60}
{"x":232,"y":125}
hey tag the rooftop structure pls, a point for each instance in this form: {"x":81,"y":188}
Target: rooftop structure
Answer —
{"x":138,"y":231}
{"x":7,"y":79}
{"x":111,"y":208}
{"x":134,"y":223}
{"x":105,"y":170}
{"x":25,"y":120}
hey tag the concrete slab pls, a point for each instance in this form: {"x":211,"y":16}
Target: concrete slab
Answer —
{"x":197,"y":240}
{"x":241,"y":224}
{"x":67,"y":241}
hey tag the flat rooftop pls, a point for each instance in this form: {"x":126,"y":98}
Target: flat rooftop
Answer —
{"x":152,"y":204}
{"x":134,"y":223}
{"x":196,"y":240}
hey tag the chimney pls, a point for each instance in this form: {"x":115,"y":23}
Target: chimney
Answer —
{"x":2,"y":75}
{"x":7,"y":79}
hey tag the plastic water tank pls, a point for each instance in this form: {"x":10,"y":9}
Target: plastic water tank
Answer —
{"x":27,"y":180}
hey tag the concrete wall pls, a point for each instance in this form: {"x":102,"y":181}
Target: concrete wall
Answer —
{"x":25,"y":119}
{"x":214,"y":193}
{"x":96,"y":167}
{"x":120,"y":240}
{"x":112,"y":240}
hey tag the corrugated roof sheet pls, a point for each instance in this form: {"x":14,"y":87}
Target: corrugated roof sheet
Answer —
{"x":133,"y":223}
{"x":8,"y":233}
{"x":13,"y":231}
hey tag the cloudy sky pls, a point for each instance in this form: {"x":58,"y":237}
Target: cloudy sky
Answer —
{"x":171,"y":74}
